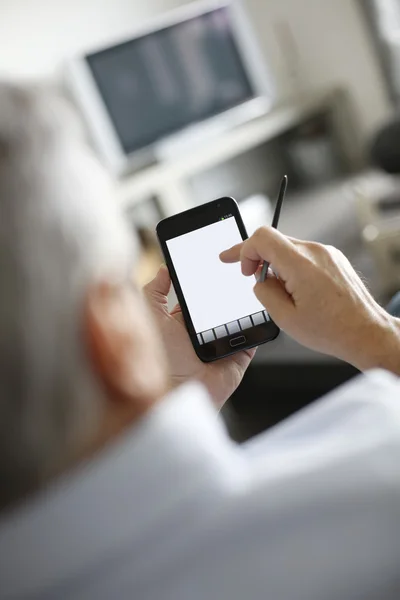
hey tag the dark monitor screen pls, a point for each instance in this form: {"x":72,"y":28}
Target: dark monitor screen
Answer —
{"x":160,"y":83}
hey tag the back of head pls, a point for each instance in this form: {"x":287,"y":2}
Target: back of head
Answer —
{"x":59,"y":230}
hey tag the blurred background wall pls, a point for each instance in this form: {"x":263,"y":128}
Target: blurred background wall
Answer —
{"x":308,"y":43}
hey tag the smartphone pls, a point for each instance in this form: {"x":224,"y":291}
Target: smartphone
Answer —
{"x":221,"y":311}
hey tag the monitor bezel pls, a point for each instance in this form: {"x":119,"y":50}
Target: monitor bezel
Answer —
{"x":105,"y":137}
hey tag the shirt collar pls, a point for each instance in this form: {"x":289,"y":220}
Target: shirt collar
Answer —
{"x":115,"y":497}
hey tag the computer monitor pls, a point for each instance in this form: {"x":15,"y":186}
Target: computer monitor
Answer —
{"x":198,"y":66}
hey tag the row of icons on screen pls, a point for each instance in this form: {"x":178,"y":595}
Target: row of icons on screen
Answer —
{"x":233,"y":327}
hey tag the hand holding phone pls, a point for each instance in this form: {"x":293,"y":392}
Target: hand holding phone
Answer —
{"x":220,"y":309}
{"x":222,"y":377}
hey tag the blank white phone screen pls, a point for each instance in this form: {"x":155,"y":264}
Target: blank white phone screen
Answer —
{"x":215,"y":293}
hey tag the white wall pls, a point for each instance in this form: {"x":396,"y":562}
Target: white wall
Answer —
{"x":309,"y":43}
{"x":37,"y":35}
{"x":312,"y":43}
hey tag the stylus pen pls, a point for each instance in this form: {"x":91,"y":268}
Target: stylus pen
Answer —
{"x":275,"y":222}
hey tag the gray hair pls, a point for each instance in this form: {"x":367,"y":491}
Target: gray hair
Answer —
{"x":59,"y":230}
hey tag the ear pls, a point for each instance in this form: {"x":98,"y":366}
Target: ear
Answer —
{"x":119,"y":343}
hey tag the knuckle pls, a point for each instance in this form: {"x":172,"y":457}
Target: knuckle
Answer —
{"x":321,"y":254}
{"x":325,"y":250}
{"x":261,"y":231}
{"x":319,"y":248}
{"x":310,"y":247}
{"x":334,"y":254}
{"x":332,"y":250}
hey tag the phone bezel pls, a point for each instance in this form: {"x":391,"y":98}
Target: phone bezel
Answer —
{"x":185,"y":222}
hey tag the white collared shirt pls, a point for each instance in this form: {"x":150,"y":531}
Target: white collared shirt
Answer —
{"x":176,"y":511}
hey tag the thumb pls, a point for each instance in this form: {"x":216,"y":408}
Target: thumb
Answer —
{"x":158,"y":288}
{"x":273,"y":295}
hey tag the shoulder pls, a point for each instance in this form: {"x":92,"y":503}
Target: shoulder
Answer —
{"x":317,"y":506}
